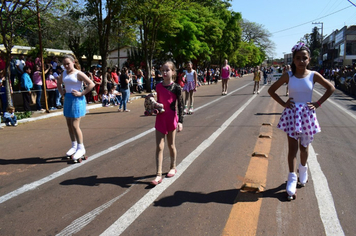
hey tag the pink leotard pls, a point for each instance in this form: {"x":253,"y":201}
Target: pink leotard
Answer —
{"x":168,"y":120}
{"x":225,"y":72}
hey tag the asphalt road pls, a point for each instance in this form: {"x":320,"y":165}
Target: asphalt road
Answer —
{"x":213,"y":192}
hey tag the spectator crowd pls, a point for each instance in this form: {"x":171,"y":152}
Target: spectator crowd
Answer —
{"x":26,"y":77}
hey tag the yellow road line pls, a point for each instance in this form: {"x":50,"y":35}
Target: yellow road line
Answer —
{"x":243,"y":218}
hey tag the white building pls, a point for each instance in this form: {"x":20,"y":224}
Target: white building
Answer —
{"x":113,"y":57}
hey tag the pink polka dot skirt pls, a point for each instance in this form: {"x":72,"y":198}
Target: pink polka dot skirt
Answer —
{"x":300,"y":123}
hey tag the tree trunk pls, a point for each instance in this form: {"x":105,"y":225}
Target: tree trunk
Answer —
{"x":8,"y":74}
{"x":148,"y":77}
{"x":7,"y":83}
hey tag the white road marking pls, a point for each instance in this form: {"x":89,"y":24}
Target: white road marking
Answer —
{"x":325,"y":201}
{"x":135,"y":211}
{"x":338,"y":106}
{"x":322,"y":191}
{"x":83,"y":221}
{"x":35,"y":184}
{"x":324,"y":197}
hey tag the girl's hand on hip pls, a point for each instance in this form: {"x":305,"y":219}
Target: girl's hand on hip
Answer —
{"x":289,"y":103}
{"x":312,"y":105}
{"x":179,"y":127}
{"x":76,"y":93}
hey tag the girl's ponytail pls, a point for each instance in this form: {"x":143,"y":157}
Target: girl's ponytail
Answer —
{"x":293,"y":67}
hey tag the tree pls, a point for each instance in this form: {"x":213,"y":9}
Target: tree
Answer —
{"x":150,"y":17}
{"x":315,"y":45}
{"x":13,"y":15}
{"x":102,"y":14}
{"x":124,"y":33}
{"x":205,"y":32}
{"x":188,"y":40}
{"x":305,"y":39}
{"x":257,"y":33}
{"x":248,"y":54}
{"x":231,"y":36}
{"x":81,"y":36}
{"x":313,"y":42}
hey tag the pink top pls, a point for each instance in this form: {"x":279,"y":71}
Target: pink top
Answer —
{"x":168,"y":120}
{"x":37,"y":78}
{"x":225,"y":73}
{"x":2,"y":64}
{"x":30,"y":64}
{"x":38,"y":61}
{"x":115,"y":77}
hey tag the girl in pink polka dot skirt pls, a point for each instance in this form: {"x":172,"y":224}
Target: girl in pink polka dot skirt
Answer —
{"x":299,"y":119}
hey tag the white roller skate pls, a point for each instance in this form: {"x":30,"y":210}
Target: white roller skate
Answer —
{"x":72,"y":150}
{"x":79,"y":154}
{"x":303,"y":174}
{"x":185,"y":110}
{"x":191,"y":111}
{"x":292,"y":186}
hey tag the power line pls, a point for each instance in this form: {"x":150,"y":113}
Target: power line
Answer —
{"x":352,"y":3}
{"x":312,"y":20}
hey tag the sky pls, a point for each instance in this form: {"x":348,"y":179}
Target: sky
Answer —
{"x":288,"y":21}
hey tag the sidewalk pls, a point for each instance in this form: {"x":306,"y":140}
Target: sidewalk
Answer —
{"x":39,"y":115}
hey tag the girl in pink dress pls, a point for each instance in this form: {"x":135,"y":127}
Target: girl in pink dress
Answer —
{"x":299,"y":119}
{"x":225,"y":76}
{"x":168,"y":122}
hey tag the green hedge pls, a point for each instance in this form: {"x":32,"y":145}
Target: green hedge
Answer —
{"x":23,"y":115}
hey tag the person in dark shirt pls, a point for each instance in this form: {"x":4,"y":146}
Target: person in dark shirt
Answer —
{"x":158,"y":76}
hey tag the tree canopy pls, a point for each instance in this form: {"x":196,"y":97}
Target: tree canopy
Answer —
{"x":313,"y":42}
{"x":202,"y":31}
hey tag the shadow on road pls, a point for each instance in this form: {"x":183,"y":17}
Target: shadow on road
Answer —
{"x":231,"y":196}
{"x":124,"y":182}
{"x":240,"y":94}
{"x":32,"y":160}
{"x":101,"y":112}
{"x":180,"y":197}
{"x":207,"y":96}
{"x":268,"y":114}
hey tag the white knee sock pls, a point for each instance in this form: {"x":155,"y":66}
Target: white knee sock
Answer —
{"x":73,"y":149}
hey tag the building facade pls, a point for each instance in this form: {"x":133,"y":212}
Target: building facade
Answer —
{"x":339,"y":48}
{"x":114,"y":55}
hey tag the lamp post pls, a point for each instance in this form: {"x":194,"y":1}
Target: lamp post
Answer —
{"x":41,"y":53}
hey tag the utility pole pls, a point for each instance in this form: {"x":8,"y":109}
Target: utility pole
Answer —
{"x":41,"y":52}
{"x":321,"y":40}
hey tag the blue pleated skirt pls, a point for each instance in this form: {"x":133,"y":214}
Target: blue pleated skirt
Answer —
{"x":74,"y":107}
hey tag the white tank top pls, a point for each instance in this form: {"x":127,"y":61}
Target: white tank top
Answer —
{"x":71,"y":81}
{"x":301,"y":89}
{"x":190,"y":76}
